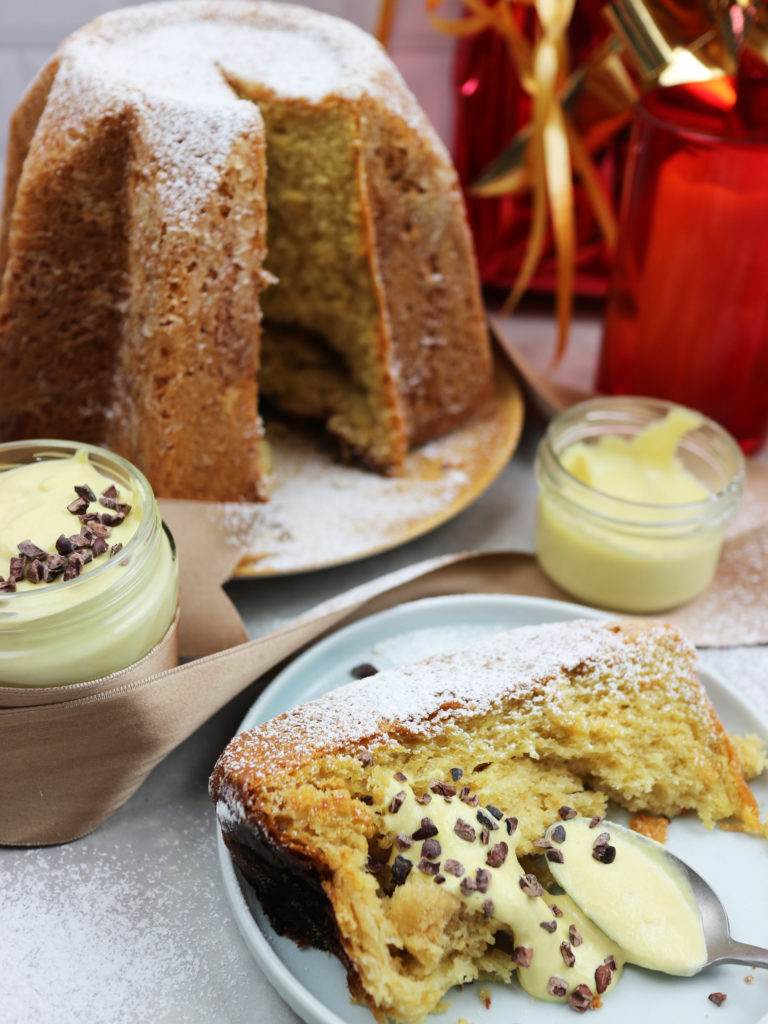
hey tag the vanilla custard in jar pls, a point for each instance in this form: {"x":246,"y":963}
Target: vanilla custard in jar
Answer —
{"x":634,"y":498}
{"x":88,"y":571}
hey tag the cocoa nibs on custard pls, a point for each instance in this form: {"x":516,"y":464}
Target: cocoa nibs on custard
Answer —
{"x":523,"y":956}
{"x":482,"y":879}
{"x":397,"y":802}
{"x":566,"y":813}
{"x":573,"y":935}
{"x":471,"y":799}
{"x":555,"y":910}
{"x":487,"y":908}
{"x":596,"y":820}
{"x":428,"y":867}
{"x":425,"y":798}
{"x":497,"y":855}
{"x":603,"y":975}
{"x":487,"y":820}
{"x":431,"y":849}
{"x":718,"y":998}
{"x":453,"y":867}
{"x":467,"y":885}
{"x":363,"y":670}
{"x":555,"y":856}
{"x":557,"y":834}
{"x":35,"y":565}
{"x":548,"y":926}
{"x":580,"y":999}
{"x":569,"y":957}
{"x":456,"y":773}
{"x":602,"y":851}
{"x":557,"y":987}
{"x":444,"y":789}
{"x":464,"y":830}
{"x":485,"y":836}
{"x":531,"y":886}
{"x":402,"y":841}
{"x":399,"y":777}
{"x":427,"y":830}
{"x":511,"y":824}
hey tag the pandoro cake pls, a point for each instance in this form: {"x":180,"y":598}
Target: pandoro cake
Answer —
{"x":385,"y":820}
{"x":180,"y":171}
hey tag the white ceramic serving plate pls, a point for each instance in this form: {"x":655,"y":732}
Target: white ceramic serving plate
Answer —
{"x":314,"y":984}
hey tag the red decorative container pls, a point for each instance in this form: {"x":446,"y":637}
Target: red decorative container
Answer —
{"x":687,"y":316}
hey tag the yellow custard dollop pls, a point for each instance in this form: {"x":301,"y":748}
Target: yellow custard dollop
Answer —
{"x":118,"y":608}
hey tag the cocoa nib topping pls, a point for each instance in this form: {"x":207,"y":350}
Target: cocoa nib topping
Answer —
{"x":373,"y":866}
{"x":523,"y":956}
{"x":485,"y":836}
{"x":38,"y":566}
{"x":84,"y":491}
{"x":596,"y":820}
{"x":431,"y":849}
{"x":470,"y":799}
{"x":482,"y":879}
{"x":78,"y":506}
{"x":555,"y":856}
{"x":569,"y":959}
{"x":397,"y":802}
{"x":363,"y":670}
{"x":557,"y":834}
{"x":548,"y":926}
{"x":531,"y":886}
{"x":464,"y":830}
{"x":443,"y":789}
{"x":718,"y":998}
{"x":428,"y":867}
{"x":26,"y":547}
{"x":487,"y":820}
{"x":401,"y":868}
{"x":555,"y":910}
{"x":467,"y":885}
{"x":365,"y":758}
{"x":425,"y":798}
{"x":573,"y":935}
{"x":16,"y":571}
{"x":603,"y":976}
{"x":566,"y":813}
{"x":511,"y":824}
{"x":498,"y":815}
{"x":602,"y":850}
{"x":487,"y":908}
{"x":557,"y":987}
{"x":453,"y":867}
{"x":456,"y":774}
{"x":427,"y":830}
{"x":402,"y":841}
{"x":580,"y":999}
{"x":497,"y":855}
{"x":399,"y":777}
{"x":439,"y":879}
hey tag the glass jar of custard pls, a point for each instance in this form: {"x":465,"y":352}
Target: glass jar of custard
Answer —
{"x":88,"y":570}
{"x":634,"y":498}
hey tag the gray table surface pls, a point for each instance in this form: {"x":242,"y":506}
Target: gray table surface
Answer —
{"x":131,"y":923}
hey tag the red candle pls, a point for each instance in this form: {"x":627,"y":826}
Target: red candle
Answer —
{"x":687,"y":317}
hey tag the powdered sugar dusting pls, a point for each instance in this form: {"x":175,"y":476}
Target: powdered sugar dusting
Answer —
{"x":173,"y":67}
{"x":526,"y":664}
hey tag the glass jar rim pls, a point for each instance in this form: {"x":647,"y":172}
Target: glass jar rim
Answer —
{"x":697,"y":510}
{"x":138,"y":481}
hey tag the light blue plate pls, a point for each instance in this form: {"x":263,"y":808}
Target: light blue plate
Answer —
{"x":314,"y":983}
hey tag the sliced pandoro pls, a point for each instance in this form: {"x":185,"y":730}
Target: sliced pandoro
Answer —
{"x":316,"y":805}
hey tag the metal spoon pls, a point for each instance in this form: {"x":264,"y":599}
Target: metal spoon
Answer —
{"x":721,"y":948}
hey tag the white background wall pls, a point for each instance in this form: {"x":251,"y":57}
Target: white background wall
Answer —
{"x":30,"y":31}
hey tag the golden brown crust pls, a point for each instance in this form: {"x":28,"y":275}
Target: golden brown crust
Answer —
{"x":129,"y":320}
